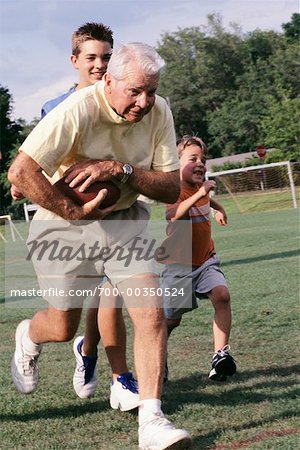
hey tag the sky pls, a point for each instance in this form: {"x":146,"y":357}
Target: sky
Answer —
{"x":35,"y":35}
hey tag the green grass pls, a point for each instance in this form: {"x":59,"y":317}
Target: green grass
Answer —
{"x":256,"y":409}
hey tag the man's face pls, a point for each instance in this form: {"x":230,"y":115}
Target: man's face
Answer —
{"x":92,"y":61}
{"x":134,"y":95}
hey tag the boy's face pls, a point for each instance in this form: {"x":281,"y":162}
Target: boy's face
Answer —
{"x":92,"y":61}
{"x":192,"y":165}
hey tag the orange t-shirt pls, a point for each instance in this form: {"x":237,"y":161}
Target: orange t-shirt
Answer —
{"x":189,"y":238}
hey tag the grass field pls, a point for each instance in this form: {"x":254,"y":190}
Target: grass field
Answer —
{"x":256,"y":409}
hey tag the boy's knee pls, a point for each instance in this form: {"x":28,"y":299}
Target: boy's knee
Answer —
{"x":220,"y":295}
{"x":173,"y":323}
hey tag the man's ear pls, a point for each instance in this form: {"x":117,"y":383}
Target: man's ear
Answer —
{"x":107,"y":81}
{"x":74,"y":61}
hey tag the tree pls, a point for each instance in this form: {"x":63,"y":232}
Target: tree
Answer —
{"x":292,"y":29}
{"x":202,"y":66}
{"x":9,"y":134}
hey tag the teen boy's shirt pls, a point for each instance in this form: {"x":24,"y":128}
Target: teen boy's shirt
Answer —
{"x":84,"y":126}
{"x":48,"y":106}
{"x":189,"y":238}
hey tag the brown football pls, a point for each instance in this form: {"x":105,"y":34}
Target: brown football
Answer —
{"x":113,"y":192}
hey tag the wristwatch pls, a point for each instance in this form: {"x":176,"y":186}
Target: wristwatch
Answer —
{"x":127,"y":171}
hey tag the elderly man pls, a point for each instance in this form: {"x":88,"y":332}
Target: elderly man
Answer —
{"x":118,"y":129}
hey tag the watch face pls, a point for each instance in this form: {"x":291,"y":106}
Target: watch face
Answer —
{"x":127,"y":169}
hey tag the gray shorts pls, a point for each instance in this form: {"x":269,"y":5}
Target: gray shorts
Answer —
{"x":70,"y":258}
{"x":183,"y":285}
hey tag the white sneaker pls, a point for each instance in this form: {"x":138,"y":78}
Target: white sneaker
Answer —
{"x":124,"y":393}
{"x":158,"y":433}
{"x":24,"y":368}
{"x":85,"y":376}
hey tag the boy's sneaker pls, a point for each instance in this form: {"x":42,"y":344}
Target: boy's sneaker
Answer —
{"x":124,"y":394}
{"x":223,"y":365}
{"x":158,"y":433}
{"x":85,"y":377}
{"x":24,"y":368}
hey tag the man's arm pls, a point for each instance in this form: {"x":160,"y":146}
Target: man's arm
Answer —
{"x":161,"y":186}
{"x":27,"y":176}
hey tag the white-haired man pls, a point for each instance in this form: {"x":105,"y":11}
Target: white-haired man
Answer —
{"x":118,"y":129}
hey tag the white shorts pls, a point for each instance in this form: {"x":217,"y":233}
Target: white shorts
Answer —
{"x":70,"y":258}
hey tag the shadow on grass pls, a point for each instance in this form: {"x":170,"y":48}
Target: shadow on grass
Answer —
{"x":208,"y":441}
{"x":68,"y":411}
{"x":254,"y":259}
{"x":184,"y":391}
{"x":239,"y":394}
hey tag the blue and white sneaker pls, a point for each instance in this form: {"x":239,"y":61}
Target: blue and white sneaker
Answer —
{"x":124,"y":393}
{"x":222,"y":365}
{"x":85,"y":376}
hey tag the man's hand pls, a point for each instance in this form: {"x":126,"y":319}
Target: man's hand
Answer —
{"x":91,"y":211}
{"x":15,"y":193}
{"x":91,"y":171}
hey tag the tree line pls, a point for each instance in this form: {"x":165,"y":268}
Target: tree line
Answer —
{"x":235,"y":90}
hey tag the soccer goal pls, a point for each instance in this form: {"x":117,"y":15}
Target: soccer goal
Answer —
{"x":257,"y":188}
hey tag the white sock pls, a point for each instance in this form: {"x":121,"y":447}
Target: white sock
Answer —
{"x":148,"y":408}
{"x":30,"y":347}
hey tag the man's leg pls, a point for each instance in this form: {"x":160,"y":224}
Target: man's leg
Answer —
{"x":51,"y":325}
{"x":150,"y":343}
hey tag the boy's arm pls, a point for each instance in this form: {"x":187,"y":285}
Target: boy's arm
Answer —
{"x":185,"y":205}
{"x":220,"y":216}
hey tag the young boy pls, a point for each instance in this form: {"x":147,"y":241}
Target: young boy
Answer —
{"x":195,"y":273}
{"x":92,"y":45}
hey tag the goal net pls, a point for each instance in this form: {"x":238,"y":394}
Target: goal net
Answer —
{"x":258,"y":188}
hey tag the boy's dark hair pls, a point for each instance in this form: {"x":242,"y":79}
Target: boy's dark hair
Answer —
{"x":91,"y":31}
{"x":187,"y":140}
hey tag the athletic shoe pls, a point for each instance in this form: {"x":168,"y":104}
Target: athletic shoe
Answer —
{"x":85,"y":376}
{"x":124,"y":394}
{"x":222,"y":366}
{"x":158,"y":433}
{"x":166,"y":373}
{"x":24,"y":368}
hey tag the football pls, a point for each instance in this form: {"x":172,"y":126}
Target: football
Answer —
{"x":113,"y":192}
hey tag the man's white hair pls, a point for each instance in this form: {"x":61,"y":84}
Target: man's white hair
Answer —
{"x":145,"y":56}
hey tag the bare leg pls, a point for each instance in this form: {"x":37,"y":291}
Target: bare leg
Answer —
{"x":113,"y":334}
{"x":150,"y":335}
{"x":91,"y":335}
{"x":220,"y":298}
{"x":108,"y":319}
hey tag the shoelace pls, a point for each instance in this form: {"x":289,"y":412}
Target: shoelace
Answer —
{"x":128,"y":382}
{"x":28,"y":363}
{"x":89,"y":364}
{"x":224,"y":351}
{"x":160,"y":421}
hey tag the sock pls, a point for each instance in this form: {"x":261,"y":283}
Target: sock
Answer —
{"x":30,"y":347}
{"x":148,"y":408}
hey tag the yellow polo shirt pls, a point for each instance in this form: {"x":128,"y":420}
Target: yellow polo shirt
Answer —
{"x":84,"y":126}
